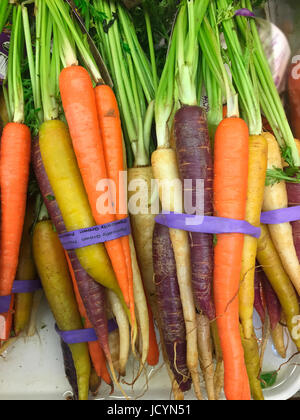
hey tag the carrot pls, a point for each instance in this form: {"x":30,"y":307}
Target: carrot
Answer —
{"x":76,"y":88}
{"x":95,"y":349}
{"x":219,"y":370}
{"x":258,"y":154}
{"x":153,"y":354}
{"x":276,"y":198}
{"x":252,"y":361}
{"x":270,"y":261}
{"x":54,"y":274}
{"x":111,"y":132}
{"x":71,"y":198}
{"x":14,"y":174}
{"x":142,"y":226}
{"x":230,"y":194}
{"x":124,"y":334}
{"x":14,"y":170}
{"x":91,"y":293}
{"x":141,"y":306}
{"x":195,"y":163}
{"x":205,"y":354}
{"x":70,"y":368}
{"x":173,"y":331}
{"x":26,"y":271}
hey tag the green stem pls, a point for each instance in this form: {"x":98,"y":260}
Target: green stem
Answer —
{"x":165,"y":102}
{"x":241,"y":76}
{"x":151,"y":49}
{"x":15,"y":87}
{"x":144,"y":73}
{"x":69,"y":34}
{"x":5,"y":9}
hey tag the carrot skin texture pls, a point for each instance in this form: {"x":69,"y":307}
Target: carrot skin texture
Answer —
{"x":195,"y":162}
{"x":14,"y":174}
{"x":230,"y":194}
{"x":258,"y":300}
{"x":272,"y":302}
{"x":169,"y":304}
{"x":79,"y":103}
{"x":153,"y":354}
{"x":258,"y":155}
{"x":92,"y":293}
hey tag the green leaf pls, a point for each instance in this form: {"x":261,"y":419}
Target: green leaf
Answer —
{"x":268,"y":379}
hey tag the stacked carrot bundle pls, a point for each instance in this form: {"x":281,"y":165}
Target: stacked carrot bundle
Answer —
{"x":142,"y":208}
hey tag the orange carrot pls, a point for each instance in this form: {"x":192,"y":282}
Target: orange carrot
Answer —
{"x":230,"y":194}
{"x":95,"y":350}
{"x":111,"y":133}
{"x":153,"y":354}
{"x":14,"y":174}
{"x":80,"y":108}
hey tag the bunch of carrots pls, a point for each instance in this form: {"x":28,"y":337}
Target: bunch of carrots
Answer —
{"x":87,"y":101}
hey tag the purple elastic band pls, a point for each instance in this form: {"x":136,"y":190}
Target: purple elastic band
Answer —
{"x":286,"y":215}
{"x":19,"y":286}
{"x":96,"y":234}
{"x":245,"y":13}
{"x":86,"y":335}
{"x":207,"y":224}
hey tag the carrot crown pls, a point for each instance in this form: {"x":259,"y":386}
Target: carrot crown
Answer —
{"x":14,"y":95}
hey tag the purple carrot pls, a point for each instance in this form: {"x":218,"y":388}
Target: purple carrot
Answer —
{"x":195,"y":163}
{"x":92,"y":293}
{"x":258,"y":301}
{"x":169,"y":306}
{"x":272,"y":302}
{"x":70,"y":368}
{"x":293,"y":191}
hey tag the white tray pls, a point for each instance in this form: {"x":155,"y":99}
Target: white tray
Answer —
{"x":33,"y":370}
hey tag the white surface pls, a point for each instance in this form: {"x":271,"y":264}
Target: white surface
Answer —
{"x":33,"y":370}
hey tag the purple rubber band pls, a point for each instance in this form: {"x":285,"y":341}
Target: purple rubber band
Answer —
{"x":245,"y":13}
{"x":207,"y":224}
{"x":96,"y":234}
{"x":19,"y":286}
{"x":286,"y":215}
{"x":86,"y":335}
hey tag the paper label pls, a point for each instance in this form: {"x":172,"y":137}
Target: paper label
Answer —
{"x":95,"y":235}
